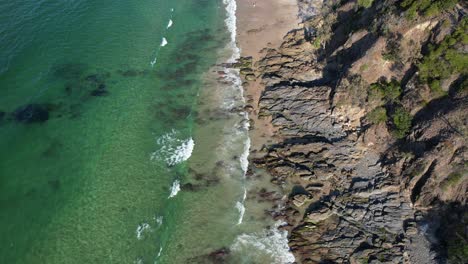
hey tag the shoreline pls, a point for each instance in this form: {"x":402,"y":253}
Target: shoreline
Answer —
{"x":261,"y":25}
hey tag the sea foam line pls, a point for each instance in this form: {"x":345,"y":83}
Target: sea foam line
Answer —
{"x":234,"y":76}
{"x":241,"y":207}
{"x":175,"y":188}
{"x":272,"y":243}
{"x":164,"y":40}
{"x":231,"y":20}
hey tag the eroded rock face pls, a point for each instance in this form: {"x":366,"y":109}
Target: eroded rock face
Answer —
{"x":291,"y":106}
{"x":357,"y":194}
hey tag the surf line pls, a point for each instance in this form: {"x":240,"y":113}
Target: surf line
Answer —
{"x":164,"y":40}
{"x":230,"y":21}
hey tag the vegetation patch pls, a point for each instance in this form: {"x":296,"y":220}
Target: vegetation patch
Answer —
{"x":364,"y":67}
{"x":317,"y":43}
{"x":390,"y":91}
{"x":392,"y":52}
{"x":426,"y":8}
{"x":365,"y":3}
{"x":446,"y":59}
{"x":457,"y":250}
{"x":451,"y":180}
{"x":402,"y":122}
{"x":378,"y":115}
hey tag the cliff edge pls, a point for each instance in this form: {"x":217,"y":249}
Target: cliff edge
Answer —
{"x":368,"y":104}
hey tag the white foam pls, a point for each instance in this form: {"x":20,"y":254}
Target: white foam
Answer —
{"x":172,"y":149}
{"x":233,"y":76}
{"x":241,"y":207}
{"x":170,"y":23}
{"x":164,"y":42}
{"x":159,"y":220}
{"x":153,"y":62}
{"x":142,"y":228}
{"x":175,"y":188}
{"x":182,"y":152}
{"x":244,"y":158}
{"x":231,"y":21}
{"x":271,"y":243}
{"x":159,"y":253}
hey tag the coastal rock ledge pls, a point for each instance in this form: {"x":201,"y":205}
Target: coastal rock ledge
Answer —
{"x":370,"y":148}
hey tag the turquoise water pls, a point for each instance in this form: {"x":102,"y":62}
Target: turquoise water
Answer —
{"x":117,"y":149}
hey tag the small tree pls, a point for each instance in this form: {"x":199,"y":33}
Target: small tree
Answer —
{"x":389,"y":90}
{"x":402,"y":122}
{"x":378,"y":115}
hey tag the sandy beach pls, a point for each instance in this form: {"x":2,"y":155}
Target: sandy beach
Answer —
{"x":262,"y":24}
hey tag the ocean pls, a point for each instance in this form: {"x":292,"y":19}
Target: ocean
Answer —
{"x":123,"y":136}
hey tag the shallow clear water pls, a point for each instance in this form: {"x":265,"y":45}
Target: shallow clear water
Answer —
{"x":101,"y":125}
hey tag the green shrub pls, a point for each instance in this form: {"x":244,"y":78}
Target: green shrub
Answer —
{"x":317,"y":43}
{"x":451,"y":180}
{"x":364,"y":67}
{"x":392,"y":52}
{"x":364,"y":260}
{"x":457,"y":251}
{"x":365,"y":3}
{"x":389,"y":90}
{"x":446,"y":59}
{"x":402,"y":122}
{"x":378,"y":115}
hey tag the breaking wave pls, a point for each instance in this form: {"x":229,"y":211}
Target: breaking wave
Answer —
{"x":271,"y":244}
{"x":163,"y":42}
{"x":141,"y":228}
{"x":241,"y":207}
{"x":172,"y":149}
{"x":233,"y":76}
{"x":175,"y":188}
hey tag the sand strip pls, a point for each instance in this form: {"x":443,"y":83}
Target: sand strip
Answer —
{"x":262,"y":24}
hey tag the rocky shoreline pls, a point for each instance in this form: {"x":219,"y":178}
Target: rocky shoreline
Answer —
{"x":361,"y":187}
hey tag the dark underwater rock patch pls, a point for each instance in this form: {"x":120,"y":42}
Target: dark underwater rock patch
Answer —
{"x":97,"y":77}
{"x":133,"y":73}
{"x":69,"y":70}
{"x":190,"y":187}
{"x":216,"y":257}
{"x":53,"y":149}
{"x":31,"y":113}
{"x":2,"y":115}
{"x":68,"y":89}
{"x":100,"y":91}
{"x":182,"y":112}
{"x":54,"y":184}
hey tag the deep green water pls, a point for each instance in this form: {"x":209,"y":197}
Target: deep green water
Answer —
{"x":93,"y":137}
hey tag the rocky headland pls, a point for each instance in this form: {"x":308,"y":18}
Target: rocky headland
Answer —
{"x":360,"y":115}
